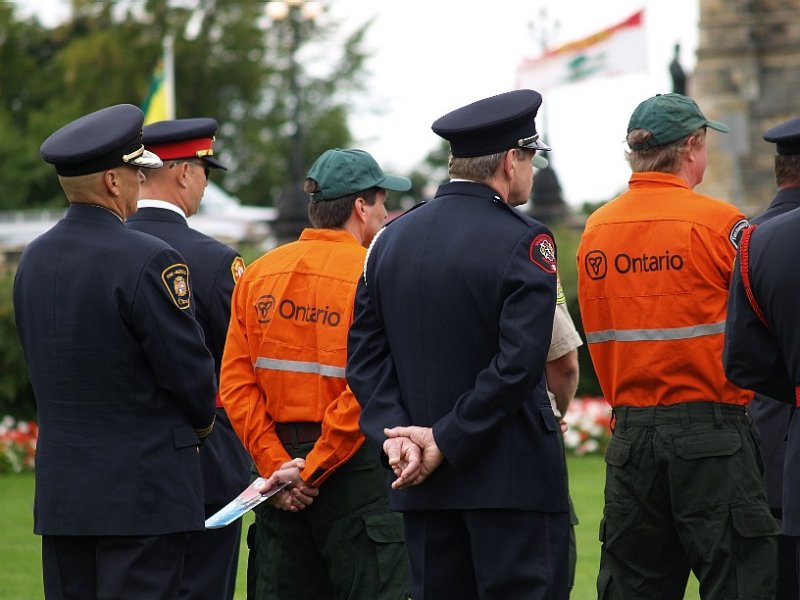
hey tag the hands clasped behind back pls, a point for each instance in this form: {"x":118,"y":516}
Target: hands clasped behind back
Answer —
{"x":298,"y":495}
{"x":413,"y":454}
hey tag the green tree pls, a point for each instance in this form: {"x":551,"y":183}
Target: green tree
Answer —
{"x":263,"y":80}
{"x":230,"y":63}
{"x":275,"y":86}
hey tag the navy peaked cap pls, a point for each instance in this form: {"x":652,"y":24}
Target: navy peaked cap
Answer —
{"x":785,"y":136}
{"x":184,"y":138}
{"x":492,"y":125}
{"x":104,"y":139}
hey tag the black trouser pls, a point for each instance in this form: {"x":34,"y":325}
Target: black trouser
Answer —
{"x":346,"y":545}
{"x":118,"y":567}
{"x":684,"y":492}
{"x":211,"y":561}
{"x":488,"y":554}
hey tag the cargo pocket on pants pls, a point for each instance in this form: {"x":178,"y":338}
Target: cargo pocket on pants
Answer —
{"x":755,"y":550}
{"x":386,"y":533}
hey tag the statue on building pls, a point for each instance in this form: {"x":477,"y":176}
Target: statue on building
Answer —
{"x":677,"y":73}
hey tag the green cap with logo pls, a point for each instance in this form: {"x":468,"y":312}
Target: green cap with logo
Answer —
{"x":343,"y":172}
{"x":669,"y":117}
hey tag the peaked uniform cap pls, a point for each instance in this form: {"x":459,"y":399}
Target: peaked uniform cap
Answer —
{"x":105,"y":139}
{"x":492,"y":125}
{"x":786,"y":137}
{"x":184,"y":138}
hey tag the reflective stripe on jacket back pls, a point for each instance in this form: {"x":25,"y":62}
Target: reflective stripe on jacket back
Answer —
{"x":654,"y":267}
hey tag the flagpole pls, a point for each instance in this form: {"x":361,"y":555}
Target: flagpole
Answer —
{"x":543,"y":33}
{"x":169,"y":75}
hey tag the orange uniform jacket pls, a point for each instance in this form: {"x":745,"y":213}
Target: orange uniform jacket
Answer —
{"x":286,"y":350}
{"x":654,"y":267}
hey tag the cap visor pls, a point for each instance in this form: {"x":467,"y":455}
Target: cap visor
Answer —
{"x":147,"y":160}
{"x":214,"y":163}
{"x":540,"y":162}
{"x":395,"y":183}
{"x":718,"y":126}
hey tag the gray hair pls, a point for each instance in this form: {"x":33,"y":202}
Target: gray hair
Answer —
{"x":665,"y":158}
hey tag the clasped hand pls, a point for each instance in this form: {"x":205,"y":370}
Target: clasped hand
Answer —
{"x":297,"y":495}
{"x":413,"y":454}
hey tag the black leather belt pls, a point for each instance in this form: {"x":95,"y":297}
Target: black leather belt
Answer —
{"x":298,"y":432}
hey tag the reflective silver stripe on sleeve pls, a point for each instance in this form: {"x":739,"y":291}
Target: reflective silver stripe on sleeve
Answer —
{"x":296,"y":366}
{"x":652,"y":335}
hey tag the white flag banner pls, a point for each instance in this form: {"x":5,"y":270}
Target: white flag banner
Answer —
{"x":618,"y":50}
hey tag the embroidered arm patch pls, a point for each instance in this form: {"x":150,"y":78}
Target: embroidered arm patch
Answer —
{"x":176,"y":280}
{"x":237,"y":269}
{"x":561,"y":298}
{"x":736,"y":232}
{"x":543,"y":253}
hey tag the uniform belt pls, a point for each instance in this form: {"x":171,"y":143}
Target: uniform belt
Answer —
{"x":684,"y":412}
{"x":298,"y":432}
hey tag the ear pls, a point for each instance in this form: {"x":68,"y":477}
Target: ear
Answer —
{"x":509,"y":162}
{"x":359,"y":208}
{"x":182,"y":174}
{"x":693,"y":144}
{"x":112,"y":182}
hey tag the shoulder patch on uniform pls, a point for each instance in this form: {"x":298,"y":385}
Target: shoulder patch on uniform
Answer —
{"x":561,"y":298}
{"x":736,"y":232}
{"x":543,"y":253}
{"x":176,"y":280}
{"x":237,"y":268}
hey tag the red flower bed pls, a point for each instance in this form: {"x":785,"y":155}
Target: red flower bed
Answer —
{"x":589,"y":426}
{"x":17,"y":445}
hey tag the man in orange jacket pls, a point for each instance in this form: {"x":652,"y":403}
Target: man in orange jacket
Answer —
{"x":683,"y":485}
{"x":283,"y":386}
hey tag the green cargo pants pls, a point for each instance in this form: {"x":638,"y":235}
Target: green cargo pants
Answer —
{"x":346,"y":545}
{"x":684,"y":491}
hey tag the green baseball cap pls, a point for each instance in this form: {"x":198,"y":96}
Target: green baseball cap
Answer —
{"x":539,"y":161}
{"x":343,"y":172}
{"x":669,"y":117}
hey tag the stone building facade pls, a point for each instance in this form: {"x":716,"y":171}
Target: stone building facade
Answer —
{"x":747,"y":76}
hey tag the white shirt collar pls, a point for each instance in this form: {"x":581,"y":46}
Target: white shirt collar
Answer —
{"x":160,"y":204}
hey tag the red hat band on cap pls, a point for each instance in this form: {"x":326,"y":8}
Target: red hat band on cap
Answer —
{"x":198,"y":147}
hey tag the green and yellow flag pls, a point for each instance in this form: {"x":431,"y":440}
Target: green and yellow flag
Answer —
{"x":159,"y":105}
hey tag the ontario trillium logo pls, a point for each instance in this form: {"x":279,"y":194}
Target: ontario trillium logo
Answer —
{"x":265,"y":306}
{"x":596,"y":264}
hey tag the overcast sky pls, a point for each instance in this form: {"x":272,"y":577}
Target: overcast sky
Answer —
{"x":458,"y":52}
{"x":431,"y":57}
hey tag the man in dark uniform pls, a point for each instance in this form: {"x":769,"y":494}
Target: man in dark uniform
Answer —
{"x":770,"y":416}
{"x":446,"y":354}
{"x":124,"y":384}
{"x":169,"y":196}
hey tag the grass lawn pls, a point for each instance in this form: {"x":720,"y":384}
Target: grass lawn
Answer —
{"x":21,"y":573}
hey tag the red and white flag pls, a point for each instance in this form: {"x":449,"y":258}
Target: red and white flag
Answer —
{"x":617,"y":50}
